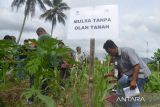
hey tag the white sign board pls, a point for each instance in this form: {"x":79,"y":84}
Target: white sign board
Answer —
{"x":97,"y":22}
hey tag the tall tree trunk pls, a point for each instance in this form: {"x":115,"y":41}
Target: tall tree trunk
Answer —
{"x":20,"y":34}
{"x":52,"y":28}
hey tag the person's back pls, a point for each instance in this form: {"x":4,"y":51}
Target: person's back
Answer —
{"x":128,"y":59}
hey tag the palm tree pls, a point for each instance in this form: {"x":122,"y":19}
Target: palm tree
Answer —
{"x":55,"y":13}
{"x":29,"y":10}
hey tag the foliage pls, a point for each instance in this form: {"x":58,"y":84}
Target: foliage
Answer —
{"x":153,"y":84}
{"x":152,"y":66}
{"x":43,"y":63}
{"x":37,"y":94}
{"x":55,"y":13}
{"x":100,"y":83}
{"x":30,"y":6}
{"x":76,"y":100}
{"x":8,"y":50}
{"x":1,"y":103}
{"x":156,"y":56}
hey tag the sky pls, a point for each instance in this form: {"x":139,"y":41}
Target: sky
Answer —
{"x":139,"y":25}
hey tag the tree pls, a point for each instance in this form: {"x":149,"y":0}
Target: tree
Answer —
{"x":156,"y":56}
{"x":153,"y":64}
{"x":55,"y":13}
{"x":30,"y":6}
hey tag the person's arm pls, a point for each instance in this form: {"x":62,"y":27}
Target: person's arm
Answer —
{"x":112,"y":60}
{"x":134,"y":77}
{"x":110,"y":74}
{"x":65,"y":64}
{"x":134,"y":60}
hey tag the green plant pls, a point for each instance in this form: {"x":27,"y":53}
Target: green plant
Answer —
{"x":42,"y":62}
{"x":1,"y":103}
{"x":76,"y":100}
{"x":7,"y":58}
{"x":153,"y":84}
{"x":48,"y":101}
{"x":100,"y":84}
{"x":152,"y":66}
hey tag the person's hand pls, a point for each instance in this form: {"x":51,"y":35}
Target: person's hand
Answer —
{"x":65,"y":65}
{"x":133,"y":84}
{"x":105,"y":75}
{"x":109,"y":75}
{"x":112,"y":81}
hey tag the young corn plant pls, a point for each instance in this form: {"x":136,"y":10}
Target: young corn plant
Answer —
{"x":100,"y":84}
{"x":81,"y":88}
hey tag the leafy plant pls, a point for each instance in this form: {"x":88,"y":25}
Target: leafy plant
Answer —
{"x":100,"y":84}
{"x":43,"y":62}
{"x":153,"y":84}
{"x":37,"y":94}
{"x":7,"y":57}
{"x":156,"y":56}
{"x":76,"y":100}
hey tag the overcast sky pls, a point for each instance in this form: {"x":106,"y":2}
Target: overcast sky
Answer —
{"x":139,"y":23}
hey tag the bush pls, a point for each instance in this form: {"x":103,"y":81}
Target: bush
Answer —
{"x":153,"y":67}
{"x":153,"y":84}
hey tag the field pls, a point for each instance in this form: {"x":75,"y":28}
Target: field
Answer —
{"x":42,"y":63}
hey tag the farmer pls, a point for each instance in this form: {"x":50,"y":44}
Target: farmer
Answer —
{"x":42,"y":34}
{"x":63,"y":67}
{"x":130,"y":65}
{"x":42,"y":37}
{"x":11,"y":38}
{"x":7,"y":37}
{"x":79,"y":57}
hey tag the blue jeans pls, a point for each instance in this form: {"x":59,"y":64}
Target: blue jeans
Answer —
{"x":140,"y":84}
{"x":124,"y":82}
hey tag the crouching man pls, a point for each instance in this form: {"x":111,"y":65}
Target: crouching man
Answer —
{"x":131,"y":65}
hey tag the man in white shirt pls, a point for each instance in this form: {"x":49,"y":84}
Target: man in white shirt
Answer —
{"x":79,"y":56}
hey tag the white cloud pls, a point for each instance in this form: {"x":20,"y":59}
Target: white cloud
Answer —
{"x":138,"y":29}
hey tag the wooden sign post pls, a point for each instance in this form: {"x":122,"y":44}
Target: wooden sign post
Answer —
{"x":91,"y":71}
